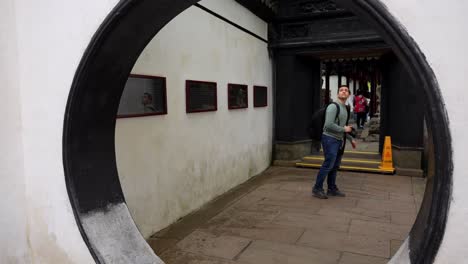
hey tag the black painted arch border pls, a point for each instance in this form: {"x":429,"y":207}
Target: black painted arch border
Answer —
{"x":89,"y":125}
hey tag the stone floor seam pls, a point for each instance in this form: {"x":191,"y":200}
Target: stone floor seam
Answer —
{"x":236,"y":257}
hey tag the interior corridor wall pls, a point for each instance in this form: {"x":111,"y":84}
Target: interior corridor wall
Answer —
{"x":170,"y":165}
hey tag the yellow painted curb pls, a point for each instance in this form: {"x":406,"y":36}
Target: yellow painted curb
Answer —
{"x":345,"y":160}
{"x":365,"y":169}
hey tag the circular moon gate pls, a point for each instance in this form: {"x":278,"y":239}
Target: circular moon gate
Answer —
{"x":89,"y":127}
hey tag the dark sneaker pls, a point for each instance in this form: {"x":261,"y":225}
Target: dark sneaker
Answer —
{"x":336,"y":192}
{"x":319,"y":194}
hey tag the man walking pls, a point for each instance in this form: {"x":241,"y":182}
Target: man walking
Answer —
{"x":333,"y":136}
{"x":360,"y":106}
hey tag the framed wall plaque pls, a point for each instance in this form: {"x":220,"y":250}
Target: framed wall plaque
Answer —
{"x":143,"y":95}
{"x":260,"y":96}
{"x":200,"y":96}
{"x":237,"y":96}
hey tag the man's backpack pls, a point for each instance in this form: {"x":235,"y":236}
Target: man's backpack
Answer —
{"x":318,"y":120}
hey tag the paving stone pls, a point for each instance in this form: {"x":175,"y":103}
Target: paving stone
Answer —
{"x":419,"y":185}
{"x":264,"y":252}
{"x":267,"y":232}
{"x":200,"y":242}
{"x":350,"y":258}
{"x":342,"y":241}
{"x":381,"y":230}
{"x":159,"y":245}
{"x":312,"y":221}
{"x":183,"y":257}
{"x":276,"y":194}
{"x":356,"y":213}
{"x":242,"y":219}
{"x":386,"y":179}
{"x":395,"y":184}
{"x":280,"y":222}
{"x":350,"y":180}
{"x":291,"y":176}
{"x":394,"y":246}
{"x":403,"y":218}
{"x":269,"y":187}
{"x":246,"y":201}
{"x":392,"y":206}
{"x":296,"y":187}
{"x":403,"y":189}
{"x":259,"y":207}
{"x":401,"y":197}
{"x":418,"y":180}
{"x":344,"y":185}
{"x":357,"y":193}
{"x":418,"y":202}
{"x":291,"y":207}
{"x":338,"y":202}
{"x":352,"y":175}
{"x":301,"y":203}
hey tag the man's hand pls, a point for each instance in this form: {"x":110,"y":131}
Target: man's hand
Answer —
{"x":348,"y":129}
{"x":353,"y":143}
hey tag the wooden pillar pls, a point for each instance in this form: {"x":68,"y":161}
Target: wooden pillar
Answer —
{"x":373,"y":106}
{"x":339,"y":75}
{"x":327,"y":85}
{"x":347,"y":80}
{"x":372,"y":96}
{"x":354,"y":84}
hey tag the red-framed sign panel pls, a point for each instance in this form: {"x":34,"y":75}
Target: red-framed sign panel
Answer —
{"x":238,"y":97}
{"x":143,"y":95}
{"x":260,"y":96}
{"x":200,"y":96}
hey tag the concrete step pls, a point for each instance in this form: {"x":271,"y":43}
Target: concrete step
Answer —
{"x":346,"y":168}
{"x":344,"y":161}
{"x":352,"y":161}
{"x":353,"y":154}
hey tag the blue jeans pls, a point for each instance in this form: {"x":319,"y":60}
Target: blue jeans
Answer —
{"x":331,"y":149}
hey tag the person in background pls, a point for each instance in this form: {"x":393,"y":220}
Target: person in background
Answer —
{"x":360,"y":103}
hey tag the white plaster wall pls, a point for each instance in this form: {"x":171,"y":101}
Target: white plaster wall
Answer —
{"x":51,"y":38}
{"x":234,"y":12}
{"x":440,"y":31}
{"x":171,"y":165}
{"x":13,"y":221}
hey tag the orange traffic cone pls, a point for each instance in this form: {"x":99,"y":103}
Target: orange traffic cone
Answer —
{"x":387,"y":161}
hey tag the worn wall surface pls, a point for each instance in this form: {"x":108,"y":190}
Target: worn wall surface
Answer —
{"x":41,"y":45}
{"x":13,"y":216}
{"x":172,"y":164}
{"x":440,"y":31}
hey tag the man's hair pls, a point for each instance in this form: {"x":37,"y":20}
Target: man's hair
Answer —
{"x":341,"y":87}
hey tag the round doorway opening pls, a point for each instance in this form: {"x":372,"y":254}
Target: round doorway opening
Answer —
{"x":89,"y":127}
